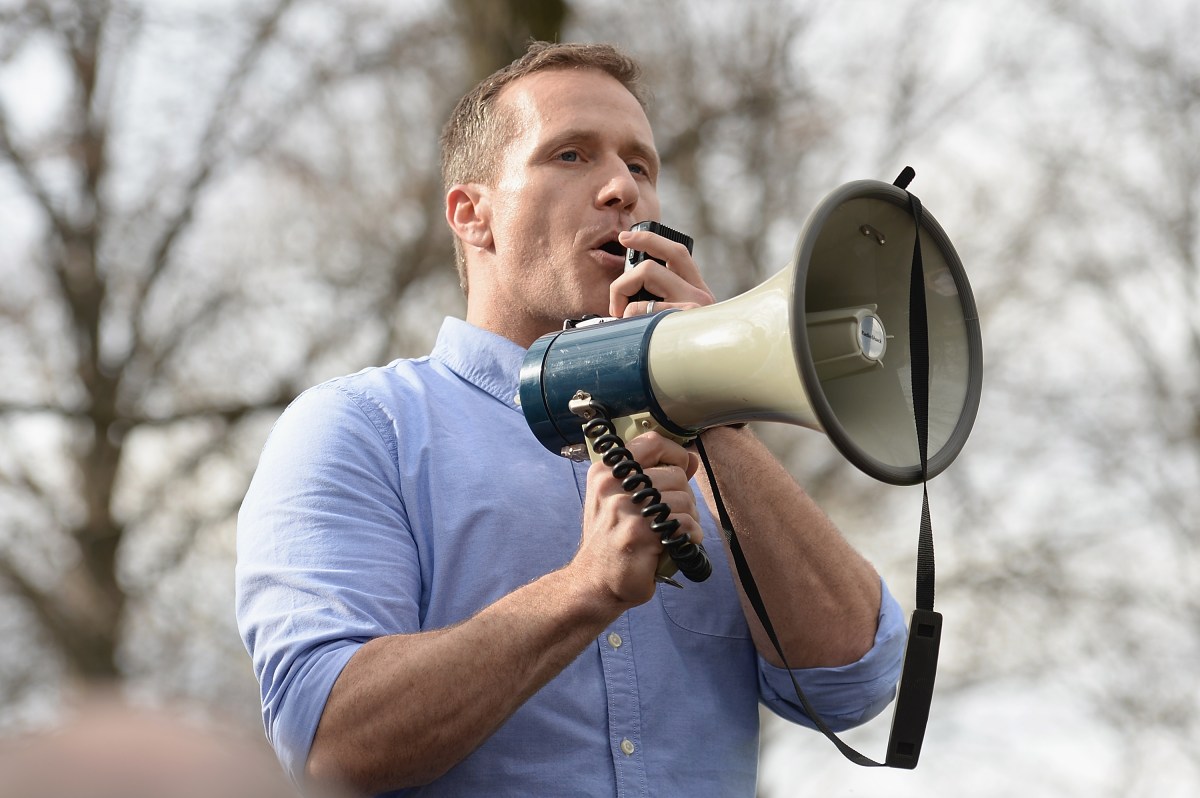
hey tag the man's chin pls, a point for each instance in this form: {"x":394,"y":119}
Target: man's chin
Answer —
{"x":590,"y":311}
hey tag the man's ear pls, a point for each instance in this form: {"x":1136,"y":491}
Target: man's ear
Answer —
{"x":469,"y":214}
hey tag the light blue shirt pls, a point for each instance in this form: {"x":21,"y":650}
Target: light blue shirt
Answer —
{"x":408,"y":498}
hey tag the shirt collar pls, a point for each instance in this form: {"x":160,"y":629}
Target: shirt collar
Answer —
{"x":489,"y":361}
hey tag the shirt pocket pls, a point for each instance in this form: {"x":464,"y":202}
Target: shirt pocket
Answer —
{"x":711,"y":607}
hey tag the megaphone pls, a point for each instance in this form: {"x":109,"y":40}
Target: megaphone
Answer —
{"x":823,"y":344}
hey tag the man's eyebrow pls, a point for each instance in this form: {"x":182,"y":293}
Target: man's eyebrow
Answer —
{"x":649,"y":154}
{"x":567,"y":136}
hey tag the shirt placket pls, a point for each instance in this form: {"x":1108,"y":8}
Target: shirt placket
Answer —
{"x":625,"y":741}
{"x":624,"y":709}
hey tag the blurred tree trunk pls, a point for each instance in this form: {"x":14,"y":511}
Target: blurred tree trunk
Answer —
{"x":82,"y":613}
{"x":116,"y":266}
{"x":116,"y":327}
{"x":497,"y":33}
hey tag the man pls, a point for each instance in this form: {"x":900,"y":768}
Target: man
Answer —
{"x":431,"y":598}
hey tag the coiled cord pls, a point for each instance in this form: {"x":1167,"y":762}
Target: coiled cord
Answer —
{"x":690,"y":558}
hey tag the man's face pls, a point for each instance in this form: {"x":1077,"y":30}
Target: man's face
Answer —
{"x":580,"y":168}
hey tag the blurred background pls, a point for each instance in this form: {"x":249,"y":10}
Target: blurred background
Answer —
{"x":208,"y":205}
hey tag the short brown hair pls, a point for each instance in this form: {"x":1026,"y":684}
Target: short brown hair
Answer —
{"x":474,"y":134}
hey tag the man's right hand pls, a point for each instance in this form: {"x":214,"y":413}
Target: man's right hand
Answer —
{"x":618,"y":553}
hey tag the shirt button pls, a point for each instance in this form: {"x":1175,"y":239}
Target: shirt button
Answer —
{"x":627,"y":746}
{"x":614,"y":640}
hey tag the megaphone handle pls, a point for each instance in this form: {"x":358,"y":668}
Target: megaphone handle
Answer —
{"x":606,"y":446}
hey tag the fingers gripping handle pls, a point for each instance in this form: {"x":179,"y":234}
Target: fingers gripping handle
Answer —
{"x":605,"y":445}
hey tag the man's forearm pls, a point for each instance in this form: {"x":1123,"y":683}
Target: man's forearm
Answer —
{"x":406,"y":708}
{"x":822,"y":596}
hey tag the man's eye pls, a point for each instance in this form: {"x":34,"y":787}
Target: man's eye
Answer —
{"x":637,"y":169}
{"x":570,"y":156}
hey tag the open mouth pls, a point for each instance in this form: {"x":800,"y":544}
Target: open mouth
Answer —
{"x":613,"y":248}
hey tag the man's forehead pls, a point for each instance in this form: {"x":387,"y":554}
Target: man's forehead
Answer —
{"x":538,"y":96}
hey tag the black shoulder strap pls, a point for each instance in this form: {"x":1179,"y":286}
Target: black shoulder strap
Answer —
{"x":915,"y":693}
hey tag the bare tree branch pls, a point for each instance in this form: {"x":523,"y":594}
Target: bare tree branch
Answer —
{"x":209,"y":157}
{"x":32,"y":184}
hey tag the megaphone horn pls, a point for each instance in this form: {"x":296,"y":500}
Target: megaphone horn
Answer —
{"x":824,"y":344}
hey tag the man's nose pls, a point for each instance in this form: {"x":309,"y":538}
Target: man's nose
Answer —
{"x":620,"y":188}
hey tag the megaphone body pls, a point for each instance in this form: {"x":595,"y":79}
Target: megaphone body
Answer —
{"x":824,"y":344}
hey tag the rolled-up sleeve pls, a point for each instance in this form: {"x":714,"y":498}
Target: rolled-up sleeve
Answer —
{"x":848,"y":695}
{"x":325,"y":560}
